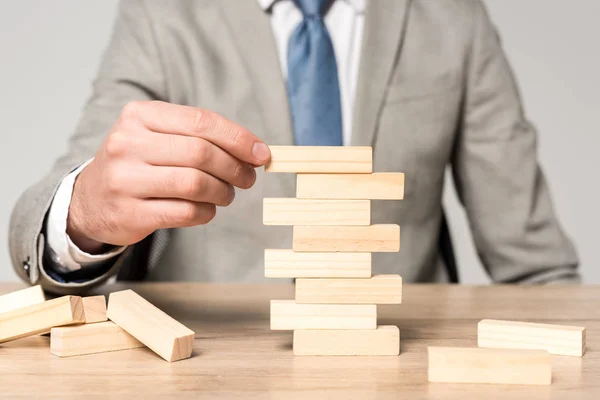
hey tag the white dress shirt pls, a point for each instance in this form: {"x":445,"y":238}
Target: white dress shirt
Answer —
{"x":344,"y":21}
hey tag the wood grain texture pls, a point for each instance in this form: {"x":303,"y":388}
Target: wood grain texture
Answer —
{"x":166,"y":336}
{"x":93,"y":338}
{"x":290,"y":211}
{"x":383,"y":341}
{"x":377,"y":186}
{"x":379,"y":289}
{"x":21,"y":298}
{"x":289,"y":315}
{"x":40,"y":318}
{"x":556,"y":339}
{"x":321,"y":159}
{"x":371,"y":239}
{"x":291,"y":264}
{"x":94,"y":308}
{"x":237,"y":356}
{"x":478,"y":365}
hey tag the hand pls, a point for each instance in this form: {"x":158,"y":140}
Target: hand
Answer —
{"x":161,"y":166}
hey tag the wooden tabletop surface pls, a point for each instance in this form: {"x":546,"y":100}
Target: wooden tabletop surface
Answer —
{"x":237,"y":356}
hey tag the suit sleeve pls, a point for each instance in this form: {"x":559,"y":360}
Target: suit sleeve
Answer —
{"x":497,"y":175}
{"x":131,"y":69}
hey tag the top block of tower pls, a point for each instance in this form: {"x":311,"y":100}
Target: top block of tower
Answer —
{"x":321,"y":159}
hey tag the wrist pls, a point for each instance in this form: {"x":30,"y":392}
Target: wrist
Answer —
{"x":76,"y":226}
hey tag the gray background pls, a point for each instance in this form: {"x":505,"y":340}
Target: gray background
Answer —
{"x":49,"y":51}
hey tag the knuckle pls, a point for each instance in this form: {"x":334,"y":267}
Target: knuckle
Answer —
{"x":194,"y":184}
{"x":232,"y":133}
{"x":202,"y":119}
{"x":116,"y":144}
{"x":202,"y":153}
{"x":113,"y":180}
{"x":131,"y":109}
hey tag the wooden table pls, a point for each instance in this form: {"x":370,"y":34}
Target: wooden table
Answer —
{"x":237,"y":356}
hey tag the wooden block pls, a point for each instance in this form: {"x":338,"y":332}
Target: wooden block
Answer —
{"x":556,"y":339}
{"x":371,"y":239}
{"x":291,"y":264}
{"x":383,"y":341}
{"x":39,"y":318}
{"x":291,"y":211}
{"x":380,"y":289}
{"x":22,"y":298}
{"x":378,"y":186}
{"x":288,"y":315}
{"x":90,"y":338}
{"x":478,"y":365}
{"x":164,"y":335}
{"x":94,"y":308}
{"x":321,"y":159}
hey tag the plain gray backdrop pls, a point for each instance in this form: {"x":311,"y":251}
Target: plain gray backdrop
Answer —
{"x":49,"y":52}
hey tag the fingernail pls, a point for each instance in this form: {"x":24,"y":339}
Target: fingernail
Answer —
{"x":261,"y":151}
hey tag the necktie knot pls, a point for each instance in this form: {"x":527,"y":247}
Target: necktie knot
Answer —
{"x":312,"y":8}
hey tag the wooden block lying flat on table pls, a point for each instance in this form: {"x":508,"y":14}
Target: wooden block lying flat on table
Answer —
{"x":89,"y":339}
{"x":40,"y":318}
{"x":288,"y":315}
{"x":290,"y":211}
{"x":321,"y":159}
{"x":162,"y":334}
{"x":94,"y":308}
{"x":22,"y":298}
{"x":291,"y":264}
{"x":383,"y":341}
{"x":379,"y":289}
{"x":372,"y":238}
{"x":377,"y":186}
{"x":478,"y":365}
{"x":556,"y":339}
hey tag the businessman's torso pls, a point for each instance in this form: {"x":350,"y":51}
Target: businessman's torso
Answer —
{"x":220,"y":55}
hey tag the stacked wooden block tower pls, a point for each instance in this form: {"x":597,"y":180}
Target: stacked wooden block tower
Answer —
{"x":335,"y":309}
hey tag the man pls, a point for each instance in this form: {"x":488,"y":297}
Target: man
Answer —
{"x":189,"y":93}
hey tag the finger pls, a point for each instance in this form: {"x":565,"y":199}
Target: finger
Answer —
{"x":177,"y":183}
{"x":173,"y":213}
{"x":191,"y":152}
{"x":190,"y":121}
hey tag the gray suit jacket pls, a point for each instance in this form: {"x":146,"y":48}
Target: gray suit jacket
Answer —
{"x":434,"y":90}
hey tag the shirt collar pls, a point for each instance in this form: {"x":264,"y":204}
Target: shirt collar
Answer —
{"x":359,"y":5}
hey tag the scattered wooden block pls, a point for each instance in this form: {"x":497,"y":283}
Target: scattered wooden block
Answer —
{"x":164,"y":335}
{"x":290,"y":211}
{"x":479,"y":365}
{"x":90,"y":338}
{"x":378,"y":186}
{"x":321,"y":159}
{"x":40,"y":318}
{"x":380,"y":289}
{"x":289,"y":315}
{"x":291,"y":264}
{"x":372,"y":238}
{"x":22,"y":298}
{"x":556,"y":339}
{"x":94,"y":308}
{"x":383,"y":341}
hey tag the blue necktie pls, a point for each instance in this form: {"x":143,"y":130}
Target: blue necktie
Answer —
{"x":313,"y":87}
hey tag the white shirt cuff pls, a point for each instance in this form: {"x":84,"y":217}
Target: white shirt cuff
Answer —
{"x":67,"y":255}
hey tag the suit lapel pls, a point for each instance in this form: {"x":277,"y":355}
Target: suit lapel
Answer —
{"x":251,"y":31}
{"x":380,"y":50}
